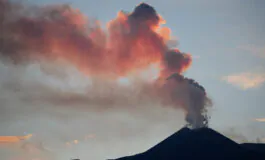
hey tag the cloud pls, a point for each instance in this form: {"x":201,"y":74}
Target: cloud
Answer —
{"x":253,"y":49}
{"x":246,"y":80}
{"x":260,"y":120}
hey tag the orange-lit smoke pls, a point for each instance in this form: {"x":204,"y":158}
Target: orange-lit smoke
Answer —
{"x":132,"y":43}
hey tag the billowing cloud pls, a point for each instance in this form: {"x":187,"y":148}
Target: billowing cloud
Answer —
{"x":246,"y":80}
{"x":132,"y":43}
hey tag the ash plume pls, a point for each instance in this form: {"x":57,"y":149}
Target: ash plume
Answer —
{"x":131,"y":43}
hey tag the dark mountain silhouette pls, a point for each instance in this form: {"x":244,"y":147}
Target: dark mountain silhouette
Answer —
{"x":204,"y":143}
{"x":254,"y":147}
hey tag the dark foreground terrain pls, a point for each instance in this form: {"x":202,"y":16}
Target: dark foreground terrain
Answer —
{"x":202,"y":144}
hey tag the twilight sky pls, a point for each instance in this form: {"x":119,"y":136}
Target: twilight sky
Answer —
{"x":227,"y":40}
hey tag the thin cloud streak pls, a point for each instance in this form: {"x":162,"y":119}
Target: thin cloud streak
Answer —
{"x":260,"y":120}
{"x":258,"y":51}
{"x":246,"y":80}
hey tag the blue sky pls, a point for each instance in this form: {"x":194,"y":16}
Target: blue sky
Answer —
{"x":228,"y":38}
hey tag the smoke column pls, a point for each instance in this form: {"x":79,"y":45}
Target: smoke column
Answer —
{"x":132,"y":42}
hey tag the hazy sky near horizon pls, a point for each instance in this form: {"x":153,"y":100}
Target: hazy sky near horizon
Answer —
{"x":227,"y":41}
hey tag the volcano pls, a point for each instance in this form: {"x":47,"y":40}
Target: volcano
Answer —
{"x":203,"y":143}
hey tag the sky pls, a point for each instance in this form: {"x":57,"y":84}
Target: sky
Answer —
{"x":226,"y":39}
